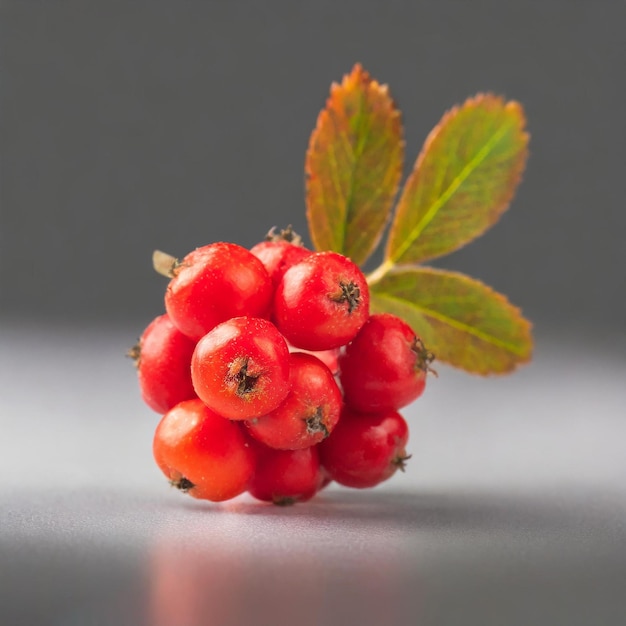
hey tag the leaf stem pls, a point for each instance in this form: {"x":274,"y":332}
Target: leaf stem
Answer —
{"x":380,"y":272}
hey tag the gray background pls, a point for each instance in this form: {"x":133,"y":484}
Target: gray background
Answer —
{"x":131,"y":126}
{"x":127,"y":126}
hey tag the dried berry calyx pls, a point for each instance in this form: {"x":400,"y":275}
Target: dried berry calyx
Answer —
{"x":284,"y":234}
{"x":350,"y":293}
{"x":182,"y":484}
{"x":424,"y":356}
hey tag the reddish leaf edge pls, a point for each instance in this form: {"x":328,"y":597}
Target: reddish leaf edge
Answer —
{"x":365,"y":79}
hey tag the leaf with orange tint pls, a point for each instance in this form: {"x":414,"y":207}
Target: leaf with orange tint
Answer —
{"x":353,"y":167}
{"x":463,"y":180}
{"x":464,"y":322}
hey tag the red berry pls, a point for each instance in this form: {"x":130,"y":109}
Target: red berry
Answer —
{"x":308,"y":414}
{"x":241,"y":368}
{"x":330,"y":358}
{"x":286,"y":476}
{"x":202,"y":453}
{"x":163,"y":357}
{"x":365,"y":448}
{"x":321,"y":302}
{"x":385,"y":366}
{"x":278,"y":256}
{"x":213,"y":284}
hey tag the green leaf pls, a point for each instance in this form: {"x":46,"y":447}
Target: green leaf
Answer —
{"x":464,"y":322}
{"x":462,"y":182}
{"x":353,"y":167}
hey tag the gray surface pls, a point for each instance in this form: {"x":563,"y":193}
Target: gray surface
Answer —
{"x":129,"y":126}
{"x":512,"y":510}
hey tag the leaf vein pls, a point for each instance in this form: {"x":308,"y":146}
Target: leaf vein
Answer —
{"x":458,"y":180}
{"x":458,"y":325}
{"x":357,"y":152}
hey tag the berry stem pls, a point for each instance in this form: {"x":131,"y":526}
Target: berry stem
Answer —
{"x":380,"y":272}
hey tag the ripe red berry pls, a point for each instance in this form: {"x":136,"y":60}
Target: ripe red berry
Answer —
{"x":330,"y":358}
{"x":278,"y":256}
{"x":203,"y":454}
{"x":385,"y":366}
{"x":163,"y":359}
{"x":308,"y":414}
{"x":214,"y":283}
{"x":365,"y":448}
{"x":241,"y":368}
{"x":321,"y":302}
{"x":286,"y":476}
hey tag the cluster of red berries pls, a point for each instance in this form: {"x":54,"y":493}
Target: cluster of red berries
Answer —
{"x":272,"y":375}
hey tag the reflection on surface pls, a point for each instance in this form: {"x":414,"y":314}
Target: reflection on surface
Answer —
{"x":202,"y":575}
{"x":365,"y":558}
